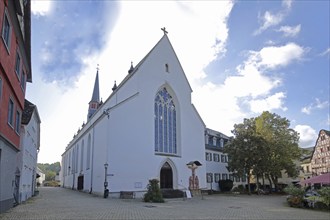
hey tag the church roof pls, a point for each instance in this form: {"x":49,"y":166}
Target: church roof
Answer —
{"x":96,"y":90}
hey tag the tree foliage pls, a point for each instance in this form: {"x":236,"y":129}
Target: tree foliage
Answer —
{"x":50,"y":170}
{"x":265,"y":146}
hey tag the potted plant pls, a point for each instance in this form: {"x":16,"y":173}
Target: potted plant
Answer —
{"x":295,"y":197}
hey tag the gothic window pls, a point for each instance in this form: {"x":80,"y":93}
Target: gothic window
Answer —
{"x":82,"y":156}
{"x":88,"y":161}
{"x":165,"y":123}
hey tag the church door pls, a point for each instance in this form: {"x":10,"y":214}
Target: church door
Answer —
{"x":166,"y":177}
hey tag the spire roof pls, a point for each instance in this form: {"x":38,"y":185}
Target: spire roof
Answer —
{"x":96,"y":91}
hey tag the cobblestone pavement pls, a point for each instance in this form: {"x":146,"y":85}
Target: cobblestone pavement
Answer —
{"x":59,"y":203}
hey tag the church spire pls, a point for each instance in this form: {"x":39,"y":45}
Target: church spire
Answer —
{"x":95,"y":101}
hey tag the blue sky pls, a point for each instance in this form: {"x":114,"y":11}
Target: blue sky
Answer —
{"x":240,"y":57}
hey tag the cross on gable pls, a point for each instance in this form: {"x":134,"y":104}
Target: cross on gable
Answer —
{"x":164,"y":30}
{"x":97,"y":68}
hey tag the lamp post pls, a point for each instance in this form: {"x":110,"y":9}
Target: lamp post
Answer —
{"x":106,"y":191}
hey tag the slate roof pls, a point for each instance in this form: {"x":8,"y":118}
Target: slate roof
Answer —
{"x":96,"y":91}
{"x":27,"y":112}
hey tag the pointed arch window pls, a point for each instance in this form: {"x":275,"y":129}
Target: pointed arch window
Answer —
{"x":165,"y":123}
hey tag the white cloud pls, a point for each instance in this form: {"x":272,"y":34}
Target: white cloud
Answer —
{"x":249,"y":85}
{"x":289,"y":31}
{"x":308,"y":135}
{"x":314,"y":106}
{"x":268,"y":104}
{"x":326,"y":52}
{"x":287,"y":4}
{"x":270,"y":19}
{"x":274,"y":57}
{"x":40,"y":7}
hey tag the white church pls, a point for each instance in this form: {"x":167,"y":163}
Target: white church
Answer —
{"x":146,"y":129}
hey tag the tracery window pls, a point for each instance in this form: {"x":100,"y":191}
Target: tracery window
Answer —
{"x":165,"y":123}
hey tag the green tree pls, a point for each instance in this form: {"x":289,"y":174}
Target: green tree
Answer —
{"x":281,"y":146}
{"x":243,"y":149}
{"x":263,"y":146}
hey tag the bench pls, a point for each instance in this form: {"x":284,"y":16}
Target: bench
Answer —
{"x":127,"y":195}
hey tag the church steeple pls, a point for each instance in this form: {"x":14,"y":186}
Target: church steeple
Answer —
{"x":95,"y":101}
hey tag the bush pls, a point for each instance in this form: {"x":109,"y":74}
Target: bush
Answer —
{"x":294,"y":191}
{"x":239,"y":188}
{"x":226,"y":185}
{"x":325,"y":195}
{"x":153,"y":194}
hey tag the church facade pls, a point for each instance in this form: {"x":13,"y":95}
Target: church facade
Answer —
{"x":146,"y":129}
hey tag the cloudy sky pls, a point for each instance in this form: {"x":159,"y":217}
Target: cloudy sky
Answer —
{"x":241,"y":58}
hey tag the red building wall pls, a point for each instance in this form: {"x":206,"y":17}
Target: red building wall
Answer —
{"x":11,"y":85}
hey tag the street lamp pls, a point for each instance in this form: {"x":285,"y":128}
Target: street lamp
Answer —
{"x":106,"y":191}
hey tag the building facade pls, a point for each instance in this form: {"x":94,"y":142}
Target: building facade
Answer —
{"x":28,"y":155}
{"x":147,"y":128}
{"x":216,"y":161}
{"x":15,"y":71}
{"x":320,"y":161}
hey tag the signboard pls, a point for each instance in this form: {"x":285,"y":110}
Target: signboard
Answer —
{"x":188,"y":194}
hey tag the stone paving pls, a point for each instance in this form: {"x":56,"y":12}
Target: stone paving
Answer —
{"x":59,"y":203}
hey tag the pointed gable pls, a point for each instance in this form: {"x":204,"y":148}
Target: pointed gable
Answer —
{"x":133,"y":70}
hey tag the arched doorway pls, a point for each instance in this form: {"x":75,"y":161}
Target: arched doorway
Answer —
{"x":166,"y":177}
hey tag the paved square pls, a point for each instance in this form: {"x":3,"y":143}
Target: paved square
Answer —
{"x":59,"y":203}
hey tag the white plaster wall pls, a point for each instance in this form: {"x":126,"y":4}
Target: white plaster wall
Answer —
{"x":27,"y":158}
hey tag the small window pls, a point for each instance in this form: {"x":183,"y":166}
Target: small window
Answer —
{"x":216,"y":157}
{"x":209,"y":177}
{"x":223,"y":158}
{"x":23,"y":77}
{"x":216,"y":177}
{"x":0,"y":89}
{"x":18,"y":122}
{"x":17,"y":64}
{"x":167,"y":68}
{"x":224,"y":176}
{"x":6,"y":31}
{"x":11,"y":112}
{"x":208,"y":156}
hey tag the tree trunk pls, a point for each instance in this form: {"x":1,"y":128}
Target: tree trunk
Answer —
{"x":257,"y":183}
{"x":275,"y":181}
{"x":249,"y":186}
{"x":263,"y":182}
{"x":270,"y":184}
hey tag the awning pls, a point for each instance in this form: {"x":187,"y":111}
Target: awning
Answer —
{"x":324,"y":179}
